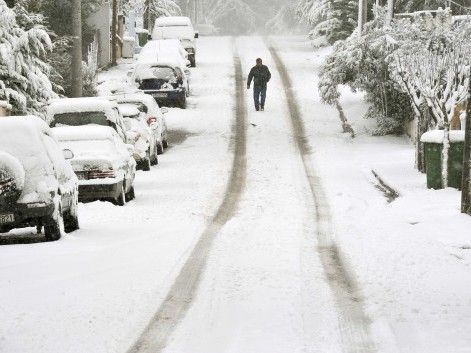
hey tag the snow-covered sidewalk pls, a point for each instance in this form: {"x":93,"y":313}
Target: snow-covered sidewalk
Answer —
{"x":412,"y":256}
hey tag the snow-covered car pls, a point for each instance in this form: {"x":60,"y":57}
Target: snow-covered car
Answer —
{"x":102,"y":162}
{"x":86,"y":111}
{"x":153,"y":116}
{"x":140,"y":136}
{"x":166,"y":82}
{"x":162,"y":49}
{"x":177,"y":27}
{"x":38,"y":187}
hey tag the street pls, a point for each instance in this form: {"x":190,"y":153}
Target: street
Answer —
{"x":257,"y":232}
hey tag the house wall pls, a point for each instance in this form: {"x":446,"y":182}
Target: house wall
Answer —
{"x":101,"y":21}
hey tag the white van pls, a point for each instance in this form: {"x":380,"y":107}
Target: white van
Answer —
{"x":177,"y":27}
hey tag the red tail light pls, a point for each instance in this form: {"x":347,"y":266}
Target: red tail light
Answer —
{"x":151,"y":120}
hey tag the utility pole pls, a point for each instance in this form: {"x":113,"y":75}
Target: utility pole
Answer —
{"x":362,"y":13}
{"x":76,"y":65}
{"x":114,"y":27}
{"x":466,"y":182}
{"x":390,"y":11}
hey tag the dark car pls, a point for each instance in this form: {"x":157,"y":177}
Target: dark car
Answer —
{"x":167,"y":83}
{"x":38,"y":187}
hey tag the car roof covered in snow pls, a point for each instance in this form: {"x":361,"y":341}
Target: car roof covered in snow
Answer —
{"x":23,"y":125}
{"x":161,"y":54}
{"x":83,"y":133}
{"x":128,"y":109}
{"x":173,"y":21}
{"x":135,"y":97}
{"x":76,"y":105}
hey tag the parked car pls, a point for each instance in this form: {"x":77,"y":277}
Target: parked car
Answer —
{"x":165,"y":81}
{"x":85,"y":111}
{"x":162,"y":49}
{"x":140,"y":136}
{"x":154,"y":116}
{"x":38,"y":187}
{"x":177,"y":27}
{"x":102,"y":161}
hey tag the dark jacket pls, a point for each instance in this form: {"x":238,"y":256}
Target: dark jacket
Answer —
{"x":260,"y":75}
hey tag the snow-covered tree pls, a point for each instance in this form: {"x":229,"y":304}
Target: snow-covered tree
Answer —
{"x":334,"y":19}
{"x":232,"y":17}
{"x":24,"y":71}
{"x":435,"y":71}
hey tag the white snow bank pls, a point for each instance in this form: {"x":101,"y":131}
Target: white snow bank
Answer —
{"x":436,"y":136}
{"x":11,"y":168}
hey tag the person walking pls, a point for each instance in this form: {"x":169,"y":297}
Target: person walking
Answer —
{"x":260,"y":74}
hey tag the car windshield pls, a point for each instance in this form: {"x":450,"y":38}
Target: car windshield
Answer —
{"x":164,"y":73}
{"x":80,"y":118}
{"x":87,"y":147}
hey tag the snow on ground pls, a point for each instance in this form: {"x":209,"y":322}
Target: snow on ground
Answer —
{"x":96,"y":289}
{"x":264,"y":289}
{"x":411,"y":257}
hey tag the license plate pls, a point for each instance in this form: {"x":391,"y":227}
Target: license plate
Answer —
{"x":7,"y":218}
{"x":159,"y":95}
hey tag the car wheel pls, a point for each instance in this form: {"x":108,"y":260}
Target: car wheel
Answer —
{"x":183,"y":103}
{"x":160,"y":148}
{"x":130,"y":194}
{"x":146,"y":163}
{"x":71,"y":222}
{"x":53,"y":227}
{"x":165,"y":143}
{"x":121,"y":200}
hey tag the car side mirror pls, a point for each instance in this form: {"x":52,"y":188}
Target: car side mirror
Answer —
{"x":68,"y":154}
{"x":164,"y":110}
{"x":197,"y":35}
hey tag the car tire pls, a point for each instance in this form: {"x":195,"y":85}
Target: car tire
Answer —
{"x":146,"y":163}
{"x":71,"y":222}
{"x":165,"y":143}
{"x":160,"y":148}
{"x":121,"y":200}
{"x":130,"y":194}
{"x":155,"y":158}
{"x":183,"y":103}
{"x":53,"y":227}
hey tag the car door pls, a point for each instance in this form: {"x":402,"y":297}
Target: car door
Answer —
{"x":127,"y":160}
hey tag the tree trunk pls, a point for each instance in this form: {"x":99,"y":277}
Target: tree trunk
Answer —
{"x":445,"y":154}
{"x":76,"y":65}
{"x":466,"y":191}
{"x":114,"y":28}
{"x":423,"y":121}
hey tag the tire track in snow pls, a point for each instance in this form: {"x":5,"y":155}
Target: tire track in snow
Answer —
{"x":175,"y":306}
{"x":353,"y":322}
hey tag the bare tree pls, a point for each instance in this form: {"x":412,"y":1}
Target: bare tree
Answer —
{"x":76,"y":67}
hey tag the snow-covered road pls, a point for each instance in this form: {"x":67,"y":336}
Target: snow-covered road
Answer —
{"x":258,"y":232}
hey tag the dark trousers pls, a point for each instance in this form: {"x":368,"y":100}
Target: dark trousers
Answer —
{"x":259,"y":95}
